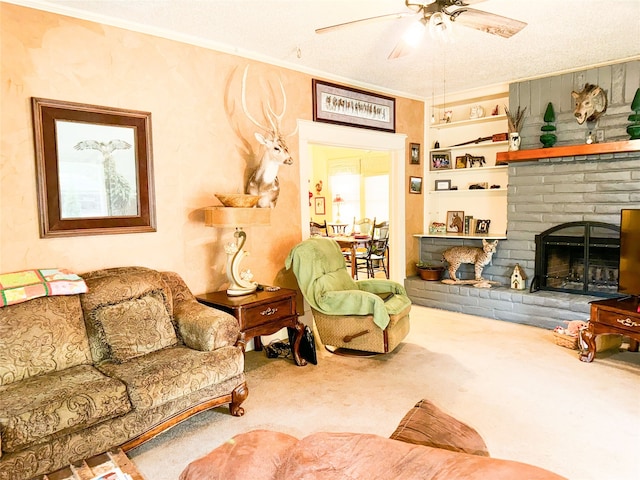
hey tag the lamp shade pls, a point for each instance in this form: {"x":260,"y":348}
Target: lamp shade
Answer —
{"x":236,"y":217}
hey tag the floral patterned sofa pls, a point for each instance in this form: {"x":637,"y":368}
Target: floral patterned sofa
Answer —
{"x":80,"y":374}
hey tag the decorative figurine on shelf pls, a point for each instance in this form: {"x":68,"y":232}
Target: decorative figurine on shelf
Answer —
{"x":590,"y":103}
{"x":448,"y":115}
{"x":634,"y":129}
{"x":518,"y":278}
{"x":515,"y":122}
{"x":496,"y":111}
{"x":548,"y":138}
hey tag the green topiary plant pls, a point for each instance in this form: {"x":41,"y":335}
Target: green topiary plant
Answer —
{"x":548,"y":138}
{"x":634,"y":129}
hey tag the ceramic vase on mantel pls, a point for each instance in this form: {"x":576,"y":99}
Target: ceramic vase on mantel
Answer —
{"x":514,"y":141}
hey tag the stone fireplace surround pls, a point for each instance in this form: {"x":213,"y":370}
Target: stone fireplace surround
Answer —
{"x":541,"y":194}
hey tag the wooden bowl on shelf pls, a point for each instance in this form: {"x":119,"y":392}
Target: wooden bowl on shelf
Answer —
{"x":237,"y":200}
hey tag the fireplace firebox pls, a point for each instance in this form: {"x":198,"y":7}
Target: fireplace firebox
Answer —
{"x":578,"y":257}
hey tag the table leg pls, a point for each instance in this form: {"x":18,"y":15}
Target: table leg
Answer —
{"x":257,"y":343}
{"x":589,"y":338}
{"x":354,"y":262}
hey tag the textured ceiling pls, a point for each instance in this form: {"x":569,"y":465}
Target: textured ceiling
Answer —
{"x":561,"y":35}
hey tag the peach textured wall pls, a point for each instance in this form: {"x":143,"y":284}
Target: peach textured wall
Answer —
{"x":202,"y":144}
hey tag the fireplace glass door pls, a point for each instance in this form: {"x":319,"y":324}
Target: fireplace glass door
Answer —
{"x":578,"y":257}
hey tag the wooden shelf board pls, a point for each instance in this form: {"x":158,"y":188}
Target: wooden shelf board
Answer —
{"x":470,"y":236}
{"x":469,"y":121}
{"x":569,"y":151}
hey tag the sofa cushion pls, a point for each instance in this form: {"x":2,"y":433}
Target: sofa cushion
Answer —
{"x":33,"y":410}
{"x":164,"y":375}
{"x":136,"y":327}
{"x":112,"y":286}
{"x":40,"y":336}
{"x":426,"y":424}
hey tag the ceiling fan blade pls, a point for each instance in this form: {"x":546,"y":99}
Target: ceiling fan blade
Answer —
{"x":401,"y":49}
{"x":365,"y":20}
{"x":487,"y":22}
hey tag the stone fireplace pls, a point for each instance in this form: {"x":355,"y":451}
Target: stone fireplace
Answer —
{"x":543,"y":194}
{"x":578,"y":257}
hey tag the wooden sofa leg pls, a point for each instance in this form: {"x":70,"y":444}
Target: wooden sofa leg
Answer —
{"x":239,"y":395}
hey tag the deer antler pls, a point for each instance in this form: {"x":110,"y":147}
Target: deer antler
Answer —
{"x":244,"y":102}
{"x":274,"y":119}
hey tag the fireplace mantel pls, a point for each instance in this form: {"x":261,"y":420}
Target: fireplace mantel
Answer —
{"x":568,"y":151}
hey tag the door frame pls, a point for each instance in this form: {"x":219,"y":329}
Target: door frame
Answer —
{"x":316,"y":133}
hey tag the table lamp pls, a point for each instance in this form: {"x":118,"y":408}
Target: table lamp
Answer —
{"x":338,"y":200}
{"x":240,"y":283}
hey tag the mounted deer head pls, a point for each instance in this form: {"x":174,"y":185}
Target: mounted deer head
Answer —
{"x":264,"y":180}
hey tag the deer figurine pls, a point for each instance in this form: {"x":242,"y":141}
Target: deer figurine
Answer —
{"x":264,"y":180}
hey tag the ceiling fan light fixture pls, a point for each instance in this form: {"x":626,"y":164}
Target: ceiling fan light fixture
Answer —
{"x":414,"y":33}
{"x":440,"y":25}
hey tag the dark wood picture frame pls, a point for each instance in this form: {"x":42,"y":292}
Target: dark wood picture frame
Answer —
{"x":94,"y":169}
{"x":414,"y":153}
{"x":356,"y":108}
{"x":455,"y":221}
{"x":415,"y":184}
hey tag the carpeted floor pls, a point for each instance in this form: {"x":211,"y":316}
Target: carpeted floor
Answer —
{"x":531,"y":400}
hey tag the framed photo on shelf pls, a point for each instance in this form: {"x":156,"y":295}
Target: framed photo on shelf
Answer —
{"x":320,"y":206}
{"x":482,"y":226}
{"x":415,"y":184}
{"x":455,"y":221}
{"x":349,"y":106}
{"x":94,"y":169}
{"x":461,"y":161}
{"x":440,"y":161}
{"x":414,"y":151}
{"x":442,"y":185}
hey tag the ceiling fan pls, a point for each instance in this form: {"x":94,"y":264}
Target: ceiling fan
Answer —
{"x":436,"y":16}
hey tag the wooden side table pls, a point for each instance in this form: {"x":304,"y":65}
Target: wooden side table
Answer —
{"x":612,"y":316}
{"x":261,"y":313}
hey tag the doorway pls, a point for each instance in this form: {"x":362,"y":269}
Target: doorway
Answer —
{"x":315,"y":133}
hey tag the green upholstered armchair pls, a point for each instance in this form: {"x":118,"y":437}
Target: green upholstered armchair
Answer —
{"x":368,"y":315}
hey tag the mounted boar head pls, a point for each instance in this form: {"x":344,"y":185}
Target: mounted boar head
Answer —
{"x":590,"y":103}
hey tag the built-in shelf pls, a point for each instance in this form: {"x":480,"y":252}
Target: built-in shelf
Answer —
{"x":569,"y":151}
{"x":455,"y":171}
{"x":470,"y":145}
{"x":462,"y":236}
{"x":484,"y":191}
{"x":471,"y":121}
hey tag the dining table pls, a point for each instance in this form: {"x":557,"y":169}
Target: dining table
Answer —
{"x":352,"y":242}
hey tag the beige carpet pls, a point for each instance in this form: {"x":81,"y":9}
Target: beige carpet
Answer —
{"x":531,"y":400}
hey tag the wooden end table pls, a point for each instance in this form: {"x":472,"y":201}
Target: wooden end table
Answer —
{"x":261,"y":313}
{"x":612,"y":316}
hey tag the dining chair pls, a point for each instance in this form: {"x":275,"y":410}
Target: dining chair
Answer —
{"x":318,"y":229}
{"x":376,"y":258}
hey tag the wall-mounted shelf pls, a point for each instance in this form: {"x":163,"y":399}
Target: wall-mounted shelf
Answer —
{"x":569,"y":151}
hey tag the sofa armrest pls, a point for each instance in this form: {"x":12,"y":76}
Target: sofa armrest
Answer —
{"x":200,"y":327}
{"x":205,"y":328}
{"x":381,"y":285}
